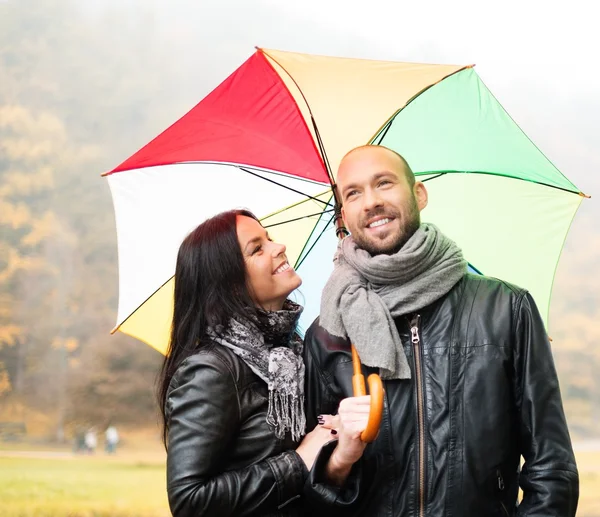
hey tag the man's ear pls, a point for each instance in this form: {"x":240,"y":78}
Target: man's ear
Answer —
{"x":421,"y":195}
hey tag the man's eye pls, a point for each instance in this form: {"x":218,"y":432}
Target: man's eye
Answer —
{"x":384,"y":182}
{"x":351,"y":193}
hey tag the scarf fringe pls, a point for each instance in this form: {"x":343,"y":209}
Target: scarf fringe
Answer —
{"x":286,"y":413}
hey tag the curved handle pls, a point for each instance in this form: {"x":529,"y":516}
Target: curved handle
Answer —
{"x":375,"y":390}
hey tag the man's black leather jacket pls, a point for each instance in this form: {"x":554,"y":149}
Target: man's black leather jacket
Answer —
{"x":483,"y":393}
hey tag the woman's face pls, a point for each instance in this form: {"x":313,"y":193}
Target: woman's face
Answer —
{"x":270,"y":278}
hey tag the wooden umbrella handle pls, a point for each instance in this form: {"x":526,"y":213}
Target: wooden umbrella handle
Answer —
{"x":375,"y":390}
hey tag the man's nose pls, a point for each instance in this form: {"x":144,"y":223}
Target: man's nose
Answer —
{"x":371,"y":200}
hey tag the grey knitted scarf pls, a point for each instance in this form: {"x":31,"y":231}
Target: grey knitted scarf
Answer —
{"x":269,"y":345}
{"x":365,"y":293}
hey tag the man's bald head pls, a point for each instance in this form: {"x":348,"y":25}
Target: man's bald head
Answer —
{"x":402,"y":163}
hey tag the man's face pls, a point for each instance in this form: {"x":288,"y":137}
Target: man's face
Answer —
{"x":379,"y":207}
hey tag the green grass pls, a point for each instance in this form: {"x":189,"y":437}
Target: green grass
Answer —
{"x":588,"y":463}
{"x":132,"y":484}
{"x":97,"y":486}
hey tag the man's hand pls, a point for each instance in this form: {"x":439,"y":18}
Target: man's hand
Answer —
{"x":353,"y":418}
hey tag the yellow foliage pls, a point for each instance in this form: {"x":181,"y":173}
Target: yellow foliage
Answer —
{"x":40,"y":127}
{"x":42,"y":228}
{"x":14,"y":215}
{"x":4,"y":380}
{"x":16,"y":262}
{"x":9,"y":334}
{"x":24,"y":150}
{"x":23,"y":183}
{"x":6,"y":305}
{"x":70,"y":344}
{"x":39,"y":422}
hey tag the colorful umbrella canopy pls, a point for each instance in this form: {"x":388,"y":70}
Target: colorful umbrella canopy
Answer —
{"x":270,"y":138}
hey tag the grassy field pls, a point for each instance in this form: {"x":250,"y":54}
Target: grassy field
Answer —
{"x":588,"y":463}
{"x":38,"y":481}
{"x":132,"y":483}
{"x":82,"y":487}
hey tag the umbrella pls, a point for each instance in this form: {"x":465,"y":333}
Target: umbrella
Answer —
{"x":270,"y":138}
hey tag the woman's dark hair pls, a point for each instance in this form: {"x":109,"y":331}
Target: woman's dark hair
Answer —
{"x":210,"y":287}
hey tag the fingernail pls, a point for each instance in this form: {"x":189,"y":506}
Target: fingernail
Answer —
{"x":333,"y":431}
{"x":321,"y":419}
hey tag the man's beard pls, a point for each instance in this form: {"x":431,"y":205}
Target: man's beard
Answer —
{"x":411,"y":222}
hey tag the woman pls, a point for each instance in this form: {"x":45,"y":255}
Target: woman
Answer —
{"x":232,"y":383}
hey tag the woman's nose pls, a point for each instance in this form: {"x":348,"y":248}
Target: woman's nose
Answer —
{"x":278,"y":249}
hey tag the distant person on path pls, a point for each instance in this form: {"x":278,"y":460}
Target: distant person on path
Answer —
{"x":91,"y":440}
{"x":79,"y":444}
{"x":111,"y":437}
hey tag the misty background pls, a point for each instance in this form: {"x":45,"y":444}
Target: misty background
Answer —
{"x":85,"y":84}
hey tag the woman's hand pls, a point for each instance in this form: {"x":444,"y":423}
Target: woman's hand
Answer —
{"x":311,"y":444}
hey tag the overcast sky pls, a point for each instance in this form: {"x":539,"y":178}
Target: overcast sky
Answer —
{"x":539,"y":58}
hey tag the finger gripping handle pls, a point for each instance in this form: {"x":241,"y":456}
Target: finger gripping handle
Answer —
{"x":375,"y":390}
{"x":376,"y":412}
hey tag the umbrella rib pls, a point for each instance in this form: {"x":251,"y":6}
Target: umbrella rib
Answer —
{"x":384,"y":131}
{"x":278,"y":173}
{"x":304,"y":255}
{"x":141,"y":305}
{"x":388,"y":123}
{"x":320,"y":142}
{"x":246,"y":166}
{"x":475,"y":269}
{"x":561,"y":251}
{"x":312,"y":118}
{"x":299,"y":218}
{"x":308,"y":196}
{"x":117,"y":327}
{"x":432,"y":177}
{"x":530,"y":140}
{"x":497,"y":174}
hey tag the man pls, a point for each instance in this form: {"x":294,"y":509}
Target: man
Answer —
{"x":111,"y":436}
{"x":469,"y":379}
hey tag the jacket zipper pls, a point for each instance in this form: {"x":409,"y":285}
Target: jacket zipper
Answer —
{"x":501,"y":488}
{"x":416,"y":341}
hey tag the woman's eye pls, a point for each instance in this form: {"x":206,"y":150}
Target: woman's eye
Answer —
{"x":257,"y":249}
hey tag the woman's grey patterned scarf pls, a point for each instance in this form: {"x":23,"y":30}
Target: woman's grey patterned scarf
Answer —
{"x":269,"y":345}
{"x":365,"y":293}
